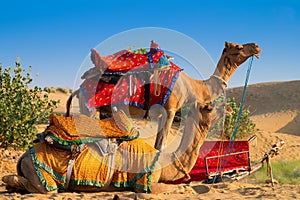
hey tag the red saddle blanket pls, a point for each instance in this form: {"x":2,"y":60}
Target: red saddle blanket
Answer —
{"x":130,"y":89}
{"x":135,"y":69}
{"x":219,"y":157}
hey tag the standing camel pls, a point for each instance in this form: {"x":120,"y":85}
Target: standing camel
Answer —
{"x":187,"y":89}
{"x":199,"y":120}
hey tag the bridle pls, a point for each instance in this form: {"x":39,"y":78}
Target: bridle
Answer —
{"x":218,"y":77}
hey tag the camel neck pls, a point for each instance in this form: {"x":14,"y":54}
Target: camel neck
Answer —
{"x":192,"y":139}
{"x":225,"y":68}
{"x":187,"y":151}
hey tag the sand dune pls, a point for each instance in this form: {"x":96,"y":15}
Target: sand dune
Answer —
{"x":275,"y":108}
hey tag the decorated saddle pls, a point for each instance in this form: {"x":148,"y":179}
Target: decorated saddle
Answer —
{"x":141,"y":79}
{"x":99,"y":162}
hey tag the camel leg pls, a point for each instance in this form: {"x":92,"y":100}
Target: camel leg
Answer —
{"x":163,"y":130}
{"x":82,"y":107}
{"x":27,"y":179}
{"x":30,"y":174}
{"x":21,"y":183}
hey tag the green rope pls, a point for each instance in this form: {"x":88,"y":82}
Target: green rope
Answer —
{"x":233,"y":135}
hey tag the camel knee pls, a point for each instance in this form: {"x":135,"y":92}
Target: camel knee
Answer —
{"x":161,"y":138}
{"x":9,"y":180}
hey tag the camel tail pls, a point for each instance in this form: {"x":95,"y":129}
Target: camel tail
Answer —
{"x":69,"y":102}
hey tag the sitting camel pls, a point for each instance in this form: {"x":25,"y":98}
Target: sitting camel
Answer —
{"x":199,"y":120}
{"x":187,"y":89}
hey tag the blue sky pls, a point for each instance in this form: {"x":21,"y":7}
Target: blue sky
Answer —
{"x":54,"y":37}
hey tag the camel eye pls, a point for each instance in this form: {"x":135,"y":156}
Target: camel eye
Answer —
{"x":208,"y":107}
{"x":240,"y":47}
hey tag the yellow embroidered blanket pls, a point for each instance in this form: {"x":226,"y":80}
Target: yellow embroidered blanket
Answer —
{"x":133,"y":165}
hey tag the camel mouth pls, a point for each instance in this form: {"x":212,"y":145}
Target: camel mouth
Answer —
{"x":256,"y":52}
{"x":257,"y":56}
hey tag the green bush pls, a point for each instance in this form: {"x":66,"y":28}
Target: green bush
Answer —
{"x":246,"y":126}
{"x":50,"y":89}
{"x":138,"y":51}
{"x":64,"y":90}
{"x":21,"y":107}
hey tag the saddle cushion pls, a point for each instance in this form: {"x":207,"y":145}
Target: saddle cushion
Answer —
{"x":80,"y":129}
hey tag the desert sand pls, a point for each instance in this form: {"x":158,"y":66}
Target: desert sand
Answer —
{"x":275,"y":109}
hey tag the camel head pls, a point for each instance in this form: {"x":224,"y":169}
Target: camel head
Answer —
{"x":233,"y":56}
{"x":206,"y":115}
{"x":219,"y":110}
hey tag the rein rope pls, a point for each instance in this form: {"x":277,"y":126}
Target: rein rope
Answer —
{"x":233,"y":136}
{"x":228,"y":151}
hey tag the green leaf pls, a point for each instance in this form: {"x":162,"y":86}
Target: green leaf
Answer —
{"x":21,"y":107}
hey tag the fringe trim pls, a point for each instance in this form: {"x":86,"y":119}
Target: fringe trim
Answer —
{"x":38,"y":165}
{"x":132,"y":184}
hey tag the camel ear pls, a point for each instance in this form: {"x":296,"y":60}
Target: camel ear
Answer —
{"x":199,"y":106}
{"x":227,"y":44}
{"x":196,"y":105}
{"x":228,"y":109}
{"x":95,"y":57}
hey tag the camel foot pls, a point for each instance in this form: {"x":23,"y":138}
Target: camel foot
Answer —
{"x":147,"y":118}
{"x":10,"y":189}
{"x":270,"y":181}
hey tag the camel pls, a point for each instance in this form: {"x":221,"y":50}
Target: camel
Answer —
{"x":199,"y":120}
{"x":187,"y":89}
